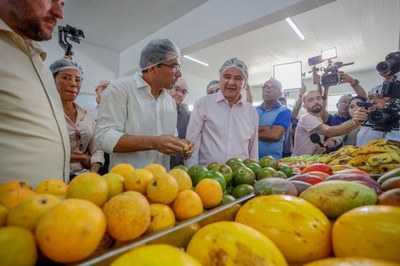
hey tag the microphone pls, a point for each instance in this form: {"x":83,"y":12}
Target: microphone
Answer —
{"x":316,"y":139}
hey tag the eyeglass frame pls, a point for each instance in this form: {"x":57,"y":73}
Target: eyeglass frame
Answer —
{"x":175,"y":67}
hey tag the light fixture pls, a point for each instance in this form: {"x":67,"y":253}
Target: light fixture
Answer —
{"x":295,"y":28}
{"x":329,"y":53}
{"x":195,"y":60}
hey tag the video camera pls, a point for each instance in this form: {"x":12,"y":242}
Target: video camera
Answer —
{"x":331,"y":75}
{"x":68,"y":32}
{"x":387,"y":119}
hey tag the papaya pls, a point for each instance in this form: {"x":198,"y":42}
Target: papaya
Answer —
{"x":389,"y":175}
{"x":369,"y":231}
{"x":156,"y":255}
{"x":390,"y":197}
{"x":231,"y":243}
{"x":391,"y":183}
{"x":351,"y":261}
{"x":274,"y":185}
{"x":300,"y":230}
{"x":336,"y":197}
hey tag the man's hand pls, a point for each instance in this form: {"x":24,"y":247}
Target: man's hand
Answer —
{"x":316,"y":78}
{"x":360,"y":116}
{"x":169,"y":145}
{"x":188,"y":149}
{"x":303,"y":89}
{"x":344,"y":78}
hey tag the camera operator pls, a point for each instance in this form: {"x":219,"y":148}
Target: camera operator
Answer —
{"x":366,"y":132}
{"x":311,"y":123}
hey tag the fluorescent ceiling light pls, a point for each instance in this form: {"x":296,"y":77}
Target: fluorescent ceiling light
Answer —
{"x":295,"y":28}
{"x":195,"y":60}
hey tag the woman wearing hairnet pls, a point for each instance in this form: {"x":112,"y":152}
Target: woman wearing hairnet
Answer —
{"x":136,"y":122}
{"x":224,"y":125}
{"x":68,"y":76}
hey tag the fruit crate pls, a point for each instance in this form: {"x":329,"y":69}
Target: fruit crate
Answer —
{"x":110,"y":255}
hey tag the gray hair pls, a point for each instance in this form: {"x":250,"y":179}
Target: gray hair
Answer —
{"x":63,"y":64}
{"x":235,"y":62}
{"x":211,"y":84}
{"x":158,"y":51}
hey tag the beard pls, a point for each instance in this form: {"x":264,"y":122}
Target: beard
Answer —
{"x":316,"y":109}
{"x":29,"y":25}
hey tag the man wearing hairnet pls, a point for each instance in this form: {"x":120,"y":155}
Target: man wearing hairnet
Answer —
{"x":136,"y":123}
{"x":224,"y":125}
{"x":34,"y":143}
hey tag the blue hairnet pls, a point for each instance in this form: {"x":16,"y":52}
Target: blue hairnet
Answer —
{"x":211,"y":84}
{"x":62,"y":64}
{"x":234,"y":62}
{"x":158,"y":51}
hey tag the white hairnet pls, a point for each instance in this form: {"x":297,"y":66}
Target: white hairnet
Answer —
{"x":62,"y":64}
{"x":211,"y":84}
{"x":182,"y":83}
{"x":234,"y":62}
{"x":158,"y":51}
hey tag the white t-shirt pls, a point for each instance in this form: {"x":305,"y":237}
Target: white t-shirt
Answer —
{"x":367,"y":133}
{"x":306,"y":126}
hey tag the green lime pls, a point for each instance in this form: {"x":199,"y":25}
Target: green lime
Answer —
{"x":242,"y":190}
{"x":243,"y":175}
{"x":217,"y":176}
{"x":255,"y":167}
{"x":232,"y":161}
{"x":266,"y":172}
{"x":249,"y":160}
{"x":195,"y":172}
{"x":227,"y":172}
{"x":286,"y":169}
{"x":213,"y":166}
{"x":180,"y":166}
{"x":280,"y":174}
{"x":236,"y":166}
{"x":268,"y":161}
{"x":227,"y":199}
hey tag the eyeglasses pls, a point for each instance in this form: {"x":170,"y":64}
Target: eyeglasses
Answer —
{"x":271,"y":88}
{"x":174,"y":67}
{"x":177,"y":89}
{"x":78,"y":137}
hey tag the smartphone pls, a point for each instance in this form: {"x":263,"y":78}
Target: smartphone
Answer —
{"x":289,"y":74}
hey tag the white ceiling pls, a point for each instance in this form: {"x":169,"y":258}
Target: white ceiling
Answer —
{"x":363,"y":31}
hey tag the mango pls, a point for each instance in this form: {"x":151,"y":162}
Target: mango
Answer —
{"x":274,"y":186}
{"x":300,"y":186}
{"x":390,"y":197}
{"x":368,"y":231}
{"x":391,"y":183}
{"x":336,"y":197}
{"x":389,"y":175}
{"x":321,"y":167}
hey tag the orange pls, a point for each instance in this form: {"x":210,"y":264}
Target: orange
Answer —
{"x":12,"y":198}
{"x":137,"y":180}
{"x":210,"y":192}
{"x":187,"y":205}
{"x":162,"y":217}
{"x":28,"y":212}
{"x":14,"y":184}
{"x":182,"y":178}
{"x":17,"y":246}
{"x":115,"y":183}
{"x":55,"y":187}
{"x":3,"y":215}
{"x":122,"y":169}
{"x":155,"y":168}
{"x":71,"y":230}
{"x":156,"y":255}
{"x":163,"y":188}
{"x":128,"y":215}
{"x":89,"y":186}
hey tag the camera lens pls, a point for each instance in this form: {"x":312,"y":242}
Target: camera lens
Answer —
{"x":383,"y":66}
{"x":379,"y":117}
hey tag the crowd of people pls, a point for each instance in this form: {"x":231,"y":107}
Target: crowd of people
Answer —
{"x":142,"y":119}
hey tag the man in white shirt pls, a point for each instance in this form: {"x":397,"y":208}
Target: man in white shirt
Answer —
{"x":136,"y":122}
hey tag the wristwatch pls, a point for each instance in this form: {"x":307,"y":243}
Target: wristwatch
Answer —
{"x":356,"y":82}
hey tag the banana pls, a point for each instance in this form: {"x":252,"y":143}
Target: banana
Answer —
{"x":337,"y":168}
{"x":370,"y":170}
{"x":380,"y":159}
{"x":388,"y":167}
{"x":395,"y":156}
{"x":379,"y":141}
{"x":340,"y":160}
{"x":361,"y":159}
{"x":329,"y":157}
{"x":347,"y":150}
{"x":375,"y":148}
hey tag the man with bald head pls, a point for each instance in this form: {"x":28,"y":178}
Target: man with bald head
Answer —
{"x":179,"y":92}
{"x":311,"y":122}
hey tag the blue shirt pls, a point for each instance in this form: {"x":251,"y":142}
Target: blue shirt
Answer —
{"x":278,"y":115}
{"x":335,"y":120}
